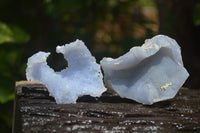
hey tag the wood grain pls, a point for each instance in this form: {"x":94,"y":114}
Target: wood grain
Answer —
{"x":36,"y":111}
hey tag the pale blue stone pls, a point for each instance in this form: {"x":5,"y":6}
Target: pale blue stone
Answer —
{"x":82,"y":76}
{"x":147,"y":74}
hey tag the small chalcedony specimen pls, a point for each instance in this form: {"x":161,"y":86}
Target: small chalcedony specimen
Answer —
{"x":82,"y":76}
{"x":147,"y":74}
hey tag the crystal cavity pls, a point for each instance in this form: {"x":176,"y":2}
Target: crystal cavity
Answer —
{"x":147,"y":74}
{"x":82,"y":76}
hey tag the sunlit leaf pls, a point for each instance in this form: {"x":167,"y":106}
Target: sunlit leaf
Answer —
{"x":6,"y":34}
{"x":12,"y":34}
{"x":19,"y":35}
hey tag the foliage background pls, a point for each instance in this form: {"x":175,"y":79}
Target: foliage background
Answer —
{"x":108,"y":28}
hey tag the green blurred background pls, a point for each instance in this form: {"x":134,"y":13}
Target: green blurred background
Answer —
{"x":108,"y":28}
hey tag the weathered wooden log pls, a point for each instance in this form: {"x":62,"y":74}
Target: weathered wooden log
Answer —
{"x":36,"y":111}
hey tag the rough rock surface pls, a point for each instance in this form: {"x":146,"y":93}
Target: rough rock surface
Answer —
{"x":64,"y":86}
{"x":147,"y":74}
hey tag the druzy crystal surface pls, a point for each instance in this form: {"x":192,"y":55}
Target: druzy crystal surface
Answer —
{"x":147,"y":74}
{"x":82,"y":76}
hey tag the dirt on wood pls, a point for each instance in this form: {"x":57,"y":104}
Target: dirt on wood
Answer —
{"x":36,"y":111}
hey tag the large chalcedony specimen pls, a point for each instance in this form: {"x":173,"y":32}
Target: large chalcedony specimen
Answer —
{"x":82,"y":76}
{"x":147,"y":74}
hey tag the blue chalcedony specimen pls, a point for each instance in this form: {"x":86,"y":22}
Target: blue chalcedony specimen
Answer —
{"x":147,"y":74}
{"x":82,"y":76}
